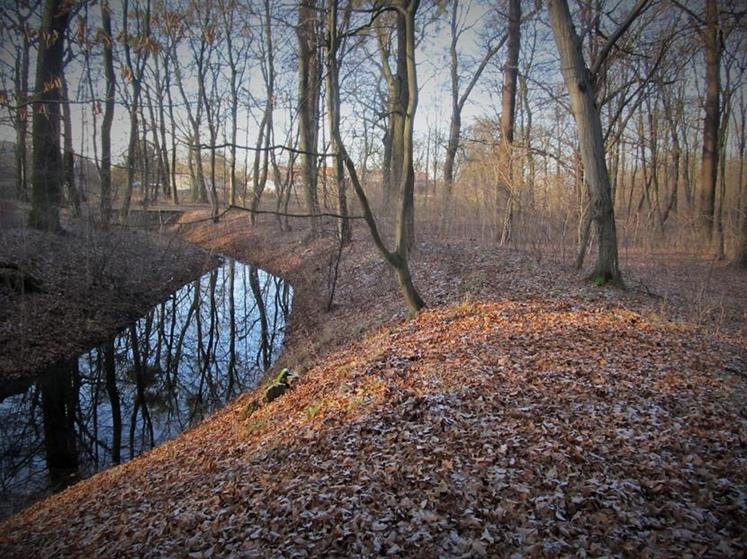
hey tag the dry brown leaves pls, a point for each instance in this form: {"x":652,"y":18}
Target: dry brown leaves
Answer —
{"x":547,"y":427}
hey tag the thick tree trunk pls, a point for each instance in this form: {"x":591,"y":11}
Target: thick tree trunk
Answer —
{"x":709,"y":161}
{"x":399,"y":116}
{"x":405,"y":232}
{"x":511,"y":72}
{"x":508,"y":113}
{"x":46,"y":196}
{"x":455,"y":133}
{"x":58,"y":402}
{"x":396,"y":103}
{"x":591,"y":140}
{"x":309,"y":89}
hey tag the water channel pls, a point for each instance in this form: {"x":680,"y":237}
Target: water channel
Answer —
{"x":204,"y":345}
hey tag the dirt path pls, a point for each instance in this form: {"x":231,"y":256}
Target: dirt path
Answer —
{"x":526,"y":411}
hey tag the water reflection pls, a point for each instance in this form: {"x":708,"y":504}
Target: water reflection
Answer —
{"x":208,"y":342}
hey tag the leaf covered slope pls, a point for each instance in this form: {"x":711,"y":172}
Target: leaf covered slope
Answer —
{"x":483,"y":428}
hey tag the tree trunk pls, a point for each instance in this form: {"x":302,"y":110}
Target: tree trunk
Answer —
{"x":741,"y":259}
{"x":309,"y":88}
{"x":508,"y":113}
{"x":68,"y":158}
{"x":396,"y":102}
{"x":136,"y":75}
{"x":167,"y":85}
{"x":46,"y":196}
{"x":21,"y":118}
{"x":511,"y":72}
{"x":397,"y":259}
{"x":455,"y":126}
{"x":588,"y":122}
{"x":106,"y":125}
{"x":161,"y":126}
{"x":58,"y":403}
{"x":742,"y":249}
{"x":709,"y":165}
{"x":333,"y":111}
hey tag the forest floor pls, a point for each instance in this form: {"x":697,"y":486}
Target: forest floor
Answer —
{"x":525,"y":411}
{"x":90,"y":283}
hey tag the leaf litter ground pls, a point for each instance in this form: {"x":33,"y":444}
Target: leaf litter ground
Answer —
{"x":508,"y":419}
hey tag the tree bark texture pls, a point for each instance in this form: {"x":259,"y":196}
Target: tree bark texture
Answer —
{"x":711,"y":119}
{"x":586,"y":113}
{"x":309,"y":89}
{"x":46,"y":196}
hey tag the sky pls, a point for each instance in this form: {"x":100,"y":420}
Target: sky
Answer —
{"x":433,"y":76}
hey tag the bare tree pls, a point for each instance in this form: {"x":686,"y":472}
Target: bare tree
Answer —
{"x":17,"y":24}
{"x":344,"y":232}
{"x":106,"y":125}
{"x":508,"y":109}
{"x":398,"y":258}
{"x":581,"y":86}
{"x":309,"y":90}
{"x":46,"y":196}
{"x":235,"y":52}
{"x":134,"y":74}
{"x":713,"y":44}
{"x":263,"y":153}
{"x":459,"y":98}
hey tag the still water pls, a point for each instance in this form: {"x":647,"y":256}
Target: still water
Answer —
{"x":204,"y":345}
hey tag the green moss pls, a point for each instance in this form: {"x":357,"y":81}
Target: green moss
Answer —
{"x":312,"y":411}
{"x":250,"y":408}
{"x":255,"y":424}
{"x":282,"y":377}
{"x":600,"y":280}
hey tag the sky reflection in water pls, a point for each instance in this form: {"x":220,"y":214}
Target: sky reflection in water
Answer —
{"x":204,"y":345}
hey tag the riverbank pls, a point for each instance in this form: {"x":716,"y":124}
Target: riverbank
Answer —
{"x":89,"y":283}
{"x":526,"y":411}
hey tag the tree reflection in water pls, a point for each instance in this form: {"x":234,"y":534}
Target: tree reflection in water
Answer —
{"x":204,"y":345}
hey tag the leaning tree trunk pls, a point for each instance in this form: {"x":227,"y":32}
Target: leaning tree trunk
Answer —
{"x":46,"y":195}
{"x":398,"y":258}
{"x":586,"y":113}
